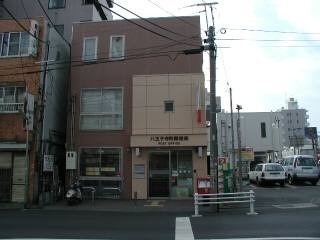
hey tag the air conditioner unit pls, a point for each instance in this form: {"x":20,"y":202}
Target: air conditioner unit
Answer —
{"x":33,"y":43}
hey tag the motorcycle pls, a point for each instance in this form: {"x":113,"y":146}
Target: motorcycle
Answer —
{"x":74,"y":193}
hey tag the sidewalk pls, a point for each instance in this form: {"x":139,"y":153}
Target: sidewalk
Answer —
{"x":119,"y":205}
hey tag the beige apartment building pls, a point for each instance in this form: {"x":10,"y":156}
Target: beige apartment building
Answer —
{"x":168,"y":135}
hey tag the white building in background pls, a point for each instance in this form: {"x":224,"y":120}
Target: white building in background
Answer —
{"x":293,"y":122}
{"x":267,"y":133}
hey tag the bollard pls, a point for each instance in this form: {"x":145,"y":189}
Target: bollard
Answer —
{"x":252,"y":212}
{"x":196,"y":205}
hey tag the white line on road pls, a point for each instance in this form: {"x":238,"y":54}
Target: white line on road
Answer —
{"x":183,"y":229}
{"x":269,"y":238}
{"x":296,"y":205}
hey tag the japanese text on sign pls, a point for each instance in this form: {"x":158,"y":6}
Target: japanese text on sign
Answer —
{"x":169,"y":140}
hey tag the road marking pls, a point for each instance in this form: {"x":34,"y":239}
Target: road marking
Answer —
{"x":183,"y":229}
{"x":155,"y":203}
{"x":270,"y":238}
{"x":291,"y":186}
{"x":296,"y":205}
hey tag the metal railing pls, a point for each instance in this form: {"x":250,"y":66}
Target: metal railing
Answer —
{"x":92,"y":190}
{"x":10,"y":107}
{"x":112,"y":192}
{"x":224,"y":198}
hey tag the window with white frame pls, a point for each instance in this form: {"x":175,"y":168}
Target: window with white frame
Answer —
{"x":101,"y":109}
{"x":104,"y":162}
{"x":117,"y":47}
{"x":11,"y":94}
{"x":14,"y":44}
{"x":90,"y":49}
{"x":57,"y":4}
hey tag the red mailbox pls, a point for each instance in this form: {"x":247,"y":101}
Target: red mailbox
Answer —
{"x":203,"y":185}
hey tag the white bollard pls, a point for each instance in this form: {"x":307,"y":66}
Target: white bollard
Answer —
{"x":252,"y":212}
{"x":196,"y":205}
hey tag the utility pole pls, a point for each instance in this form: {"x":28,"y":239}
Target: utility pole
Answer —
{"x":234,"y":175}
{"x":239,"y":107}
{"x":213,"y":139}
{"x":213,"y":107}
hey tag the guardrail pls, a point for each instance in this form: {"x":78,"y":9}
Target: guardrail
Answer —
{"x":219,"y":198}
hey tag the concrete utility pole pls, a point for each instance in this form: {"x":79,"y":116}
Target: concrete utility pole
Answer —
{"x":213,"y":139}
{"x":213,"y":107}
{"x":234,"y":174}
{"x":239,"y":107}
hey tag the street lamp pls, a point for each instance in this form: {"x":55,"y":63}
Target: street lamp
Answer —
{"x":239,"y":107}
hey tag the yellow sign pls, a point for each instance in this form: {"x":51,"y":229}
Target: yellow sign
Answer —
{"x":247,"y":154}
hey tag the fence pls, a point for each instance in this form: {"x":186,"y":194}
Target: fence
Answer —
{"x":220,"y":198}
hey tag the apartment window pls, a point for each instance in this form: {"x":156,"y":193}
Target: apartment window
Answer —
{"x":168,"y":106}
{"x":90,"y":49}
{"x":60,"y":28}
{"x":14,"y":44}
{"x":100,"y":162}
{"x":11,"y":94}
{"x":263,"y":130}
{"x":117,"y":47}
{"x":101,"y":109}
{"x":57,"y":4}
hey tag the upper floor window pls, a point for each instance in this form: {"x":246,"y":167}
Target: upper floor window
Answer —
{"x":57,"y":4}
{"x":117,"y":47}
{"x":11,"y":94}
{"x":89,"y":49}
{"x":263,"y":130}
{"x":101,"y":109}
{"x":14,"y":44}
{"x":11,"y":98}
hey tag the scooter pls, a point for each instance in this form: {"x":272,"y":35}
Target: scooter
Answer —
{"x":74,"y":193}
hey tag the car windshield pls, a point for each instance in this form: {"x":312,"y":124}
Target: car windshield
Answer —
{"x":304,"y":161}
{"x":273,"y":167}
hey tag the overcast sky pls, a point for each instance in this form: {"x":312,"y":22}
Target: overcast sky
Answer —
{"x":264,"y":68}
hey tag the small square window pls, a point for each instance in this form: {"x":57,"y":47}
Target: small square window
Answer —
{"x":168,"y":106}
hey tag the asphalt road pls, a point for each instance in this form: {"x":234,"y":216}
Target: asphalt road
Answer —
{"x":292,"y":211}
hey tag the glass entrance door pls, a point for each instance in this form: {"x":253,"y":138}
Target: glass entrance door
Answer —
{"x":159,"y":174}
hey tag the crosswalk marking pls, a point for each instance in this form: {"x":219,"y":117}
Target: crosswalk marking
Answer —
{"x":183,"y":229}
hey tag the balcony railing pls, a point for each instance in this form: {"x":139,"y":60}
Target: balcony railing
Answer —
{"x":11,"y":107}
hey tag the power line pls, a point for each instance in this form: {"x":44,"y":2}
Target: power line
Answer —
{"x":148,"y":21}
{"x":104,"y":60}
{"x":14,"y":18}
{"x":145,"y":28}
{"x":128,"y":54}
{"x":179,"y":18}
{"x":268,"y":40}
{"x":269,"y":31}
